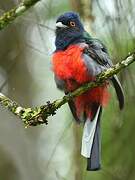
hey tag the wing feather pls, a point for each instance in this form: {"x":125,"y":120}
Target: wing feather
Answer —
{"x":96,"y":59}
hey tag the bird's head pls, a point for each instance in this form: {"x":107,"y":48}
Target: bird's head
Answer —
{"x":69,"y":20}
{"x":69,"y":30}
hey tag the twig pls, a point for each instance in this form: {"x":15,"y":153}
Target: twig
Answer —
{"x":38,"y":115}
{"x":12,"y":14}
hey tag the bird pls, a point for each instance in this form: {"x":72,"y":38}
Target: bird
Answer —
{"x":78,"y":59}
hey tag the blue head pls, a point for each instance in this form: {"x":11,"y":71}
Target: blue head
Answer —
{"x":69,"y":30}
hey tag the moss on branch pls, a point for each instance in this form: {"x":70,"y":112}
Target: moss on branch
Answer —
{"x":38,"y":115}
{"x":12,"y":14}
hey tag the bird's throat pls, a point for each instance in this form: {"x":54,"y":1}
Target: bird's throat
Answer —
{"x":66,"y":38}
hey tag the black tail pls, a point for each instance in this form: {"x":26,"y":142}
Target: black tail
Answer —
{"x":119,"y":91}
{"x":94,"y":162}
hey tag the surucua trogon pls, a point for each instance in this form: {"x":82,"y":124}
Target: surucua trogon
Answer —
{"x":77,"y":60}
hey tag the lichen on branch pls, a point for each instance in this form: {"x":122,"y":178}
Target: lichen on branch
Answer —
{"x":12,"y":14}
{"x":38,"y":115}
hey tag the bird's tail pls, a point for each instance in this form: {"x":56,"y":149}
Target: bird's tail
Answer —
{"x":119,"y":91}
{"x":91,"y":142}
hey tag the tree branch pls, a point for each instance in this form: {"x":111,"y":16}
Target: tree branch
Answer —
{"x":38,"y":115}
{"x":11,"y":15}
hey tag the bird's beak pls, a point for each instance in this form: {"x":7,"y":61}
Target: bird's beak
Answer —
{"x":60,"y":25}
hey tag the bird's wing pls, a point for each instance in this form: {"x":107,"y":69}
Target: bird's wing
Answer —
{"x":97,"y":51}
{"x":96,"y":59}
{"x":61,"y":86}
{"x":59,"y":83}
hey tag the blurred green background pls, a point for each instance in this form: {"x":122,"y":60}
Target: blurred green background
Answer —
{"x":53,"y":152}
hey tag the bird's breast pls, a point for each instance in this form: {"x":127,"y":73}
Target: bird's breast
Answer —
{"x":69,"y":64}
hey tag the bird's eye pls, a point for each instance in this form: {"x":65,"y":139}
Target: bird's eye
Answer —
{"x":72,"y":23}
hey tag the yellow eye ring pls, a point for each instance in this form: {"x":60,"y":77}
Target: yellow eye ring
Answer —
{"x":72,"y":23}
